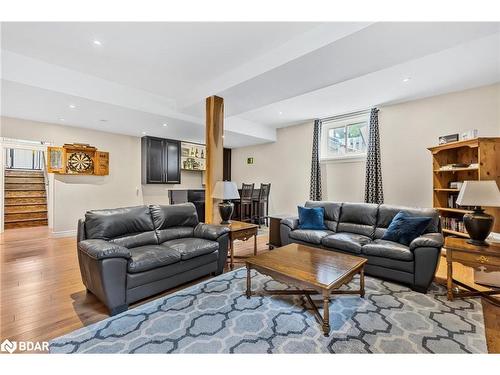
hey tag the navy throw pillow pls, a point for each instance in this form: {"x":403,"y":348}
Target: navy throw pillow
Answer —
{"x":311,"y":217}
{"x":405,"y":228}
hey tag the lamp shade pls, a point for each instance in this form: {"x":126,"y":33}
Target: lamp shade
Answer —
{"x":479,"y":193}
{"x":226,"y":190}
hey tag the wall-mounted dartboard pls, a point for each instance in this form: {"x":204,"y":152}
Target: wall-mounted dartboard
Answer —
{"x":77,"y":158}
{"x":79,"y":162}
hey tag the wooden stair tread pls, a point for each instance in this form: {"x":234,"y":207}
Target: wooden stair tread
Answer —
{"x":24,"y":220}
{"x":27,"y":196}
{"x":25,"y":204}
{"x":23,"y":172}
{"x":26,"y":212}
{"x":25,"y":182}
{"x":26,"y":224}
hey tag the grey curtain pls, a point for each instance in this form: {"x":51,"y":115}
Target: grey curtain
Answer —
{"x":315,"y":189}
{"x":373,"y":181}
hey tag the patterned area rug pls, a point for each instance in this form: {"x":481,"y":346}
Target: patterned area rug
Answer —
{"x":215,"y":317}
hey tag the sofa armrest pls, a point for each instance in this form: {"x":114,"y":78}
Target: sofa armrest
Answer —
{"x":428,"y":240}
{"x":100,"y":249}
{"x":291,"y":222}
{"x":210,"y":231}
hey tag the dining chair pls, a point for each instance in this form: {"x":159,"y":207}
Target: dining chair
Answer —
{"x":246,"y":202}
{"x":261,"y":205}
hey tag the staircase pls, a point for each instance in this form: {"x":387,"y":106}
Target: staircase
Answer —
{"x":25,"y":198}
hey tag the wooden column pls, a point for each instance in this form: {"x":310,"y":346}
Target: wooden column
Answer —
{"x":214,"y":130}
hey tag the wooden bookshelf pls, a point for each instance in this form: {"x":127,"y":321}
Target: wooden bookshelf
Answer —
{"x":483,"y":154}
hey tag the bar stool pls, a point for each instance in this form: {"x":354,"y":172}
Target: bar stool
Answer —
{"x":261,"y":204}
{"x":246,"y":202}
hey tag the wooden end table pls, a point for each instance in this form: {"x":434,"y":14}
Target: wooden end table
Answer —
{"x":239,"y":230}
{"x":314,"y":271}
{"x":274,"y":230}
{"x":460,"y":251}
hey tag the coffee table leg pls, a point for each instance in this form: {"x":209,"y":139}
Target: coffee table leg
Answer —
{"x":249,"y":283}
{"x":326,"y":314}
{"x":362,"y":283}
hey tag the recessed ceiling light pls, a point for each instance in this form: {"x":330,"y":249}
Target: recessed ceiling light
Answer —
{"x":164,"y":124}
{"x":72,"y":106}
{"x":407,"y":79}
{"x":280,"y":113}
{"x":61,"y":119}
{"x":97,"y":42}
{"x":103,"y":120}
{"x":143,"y":133}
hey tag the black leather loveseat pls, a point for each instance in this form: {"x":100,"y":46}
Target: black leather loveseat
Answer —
{"x":127,"y":254}
{"x":357,"y":228}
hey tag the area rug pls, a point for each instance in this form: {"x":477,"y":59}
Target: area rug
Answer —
{"x":215,"y":317}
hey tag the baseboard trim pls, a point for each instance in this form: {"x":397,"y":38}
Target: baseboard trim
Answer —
{"x":63,"y":233}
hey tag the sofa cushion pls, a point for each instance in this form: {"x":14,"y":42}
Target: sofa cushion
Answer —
{"x":174,"y":233}
{"x":144,"y":258}
{"x":309,"y":235}
{"x":359,"y":218}
{"x":117,"y":222}
{"x":388,"y":249}
{"x":387,"y":212}
{"x":136,"y":239}
{"x":350,"y":242}
{"x":146,"y":277}
{"x":175,"y":215}
{"x":191,"y":247}
{"x":404,"y":228}
{"x":311,"y":218}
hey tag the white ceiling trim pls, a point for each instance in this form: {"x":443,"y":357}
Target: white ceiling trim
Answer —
{"x":32,"y":72}
{"x":301,"y":45}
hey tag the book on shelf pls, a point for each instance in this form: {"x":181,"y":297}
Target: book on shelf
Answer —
{"x":453,"y":224}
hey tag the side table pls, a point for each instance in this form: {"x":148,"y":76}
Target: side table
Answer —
{"x":239,"y":230}
{"x":460,"y":251}
{"x":274,"y":230}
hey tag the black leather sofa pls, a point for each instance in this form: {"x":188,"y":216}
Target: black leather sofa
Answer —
{"x":127,"y":254}
{"x":357,"y":228}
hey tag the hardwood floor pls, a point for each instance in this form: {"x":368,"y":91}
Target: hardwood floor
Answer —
{"x":42,"y":296}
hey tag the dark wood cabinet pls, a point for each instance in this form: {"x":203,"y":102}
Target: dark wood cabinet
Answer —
{"x":161,"y":160}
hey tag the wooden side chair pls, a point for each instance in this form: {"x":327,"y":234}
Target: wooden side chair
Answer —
{"x":261,"y":205}
{"x":246,"y":202}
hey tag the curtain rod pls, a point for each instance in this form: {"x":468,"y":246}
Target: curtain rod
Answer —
{"x":346,"y":115}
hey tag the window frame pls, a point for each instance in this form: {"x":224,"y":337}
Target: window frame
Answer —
{"x":341,"y":123}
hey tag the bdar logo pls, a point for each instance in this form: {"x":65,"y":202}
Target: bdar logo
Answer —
{"x":8,"y":346}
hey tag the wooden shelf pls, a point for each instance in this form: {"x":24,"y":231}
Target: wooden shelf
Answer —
{"x":454,"y":232}
{"x":456,"y":170}
{"x":482,"y":159}
{"x":456,"y":210}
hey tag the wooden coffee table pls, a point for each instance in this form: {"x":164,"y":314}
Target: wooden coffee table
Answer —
{"x":314,"y":271}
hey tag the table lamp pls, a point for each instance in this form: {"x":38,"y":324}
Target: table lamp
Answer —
{"x":477,"y":194}
{"x":226,"y":190}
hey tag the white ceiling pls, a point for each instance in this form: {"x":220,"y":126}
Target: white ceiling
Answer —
{"x":270,"y":74}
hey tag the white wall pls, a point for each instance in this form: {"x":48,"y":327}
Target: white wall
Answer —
{"x":74,"y":195}
{"x":283,"y":163}
{"x":406,"y":130}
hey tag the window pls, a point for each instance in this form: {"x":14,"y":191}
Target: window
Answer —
{"x":344,"y":138}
